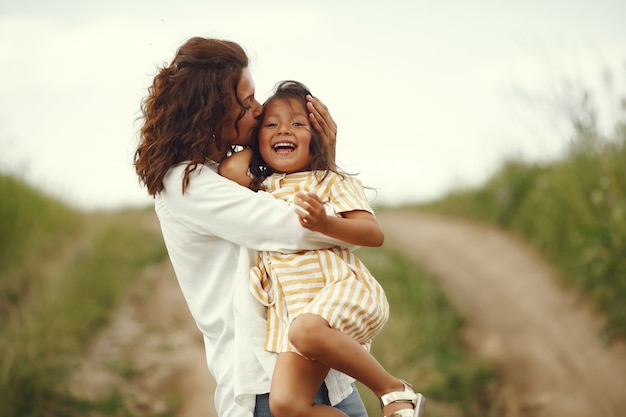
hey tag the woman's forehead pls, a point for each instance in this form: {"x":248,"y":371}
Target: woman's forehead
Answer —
{"x":245,"y":87}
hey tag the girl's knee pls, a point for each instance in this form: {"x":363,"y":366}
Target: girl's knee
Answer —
{"x":285,"y":406}
{"x":306,"y":334}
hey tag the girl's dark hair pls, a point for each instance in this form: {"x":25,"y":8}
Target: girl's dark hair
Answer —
{"x":320,"y":160}
{"x":188,"y":104}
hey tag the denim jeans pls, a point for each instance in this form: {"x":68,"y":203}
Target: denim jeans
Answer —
{"x":352,"y":405}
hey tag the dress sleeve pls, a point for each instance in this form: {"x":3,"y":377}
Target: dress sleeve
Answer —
{"x":347,"y":194}
{"x":215,"y":206}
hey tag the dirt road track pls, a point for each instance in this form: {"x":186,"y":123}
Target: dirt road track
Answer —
{"x":543,"y":339}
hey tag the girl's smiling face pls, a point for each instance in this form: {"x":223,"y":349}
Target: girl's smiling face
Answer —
{"x":285,"y":136}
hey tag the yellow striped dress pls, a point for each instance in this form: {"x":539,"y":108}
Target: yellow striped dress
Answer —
{"x":332,"y":283}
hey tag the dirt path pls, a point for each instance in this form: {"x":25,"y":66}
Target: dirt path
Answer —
{"x":152,"y":354}
{"x":543,"y":340}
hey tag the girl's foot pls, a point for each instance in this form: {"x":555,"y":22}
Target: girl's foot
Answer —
{"x":416,"y":400}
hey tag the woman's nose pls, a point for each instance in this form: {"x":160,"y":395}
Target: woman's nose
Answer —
{"x":257,"y":108}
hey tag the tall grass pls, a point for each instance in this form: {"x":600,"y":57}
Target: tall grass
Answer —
{"x":32,"y":226}
{"x":573,"y":210}
{"x":46,"y":329}
{"x":421,"y":342}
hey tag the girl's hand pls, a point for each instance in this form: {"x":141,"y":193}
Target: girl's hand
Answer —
{"x":323,"y":122}
{"x":311,"y":212}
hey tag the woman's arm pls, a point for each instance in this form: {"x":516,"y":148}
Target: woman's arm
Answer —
{"x":215,"y":206}
{"x":323,"y":123}
{"x":357,"y":227}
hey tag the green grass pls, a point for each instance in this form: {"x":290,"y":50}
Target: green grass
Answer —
{"x":573,"y":210}
{"x":84,"y":265}
{"x":32,"y":227}
{"x":421,"y":344}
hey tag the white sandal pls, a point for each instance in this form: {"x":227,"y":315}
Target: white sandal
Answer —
{"x":408,"y":395}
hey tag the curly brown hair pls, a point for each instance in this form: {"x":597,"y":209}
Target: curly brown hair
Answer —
{"x":188,"y":104}
{"x":321,"y":161}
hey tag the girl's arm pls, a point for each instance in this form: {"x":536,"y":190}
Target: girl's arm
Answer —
{"x":357,"y":227}
{"x":235,"y":167}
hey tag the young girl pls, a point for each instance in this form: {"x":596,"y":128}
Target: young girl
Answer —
{"x":324,"y":306}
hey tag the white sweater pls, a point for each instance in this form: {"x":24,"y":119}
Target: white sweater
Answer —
{"x":207,"y":232}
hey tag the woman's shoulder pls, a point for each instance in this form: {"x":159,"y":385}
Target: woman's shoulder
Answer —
{"x":176,"y":173}
{"x":208,"y":166}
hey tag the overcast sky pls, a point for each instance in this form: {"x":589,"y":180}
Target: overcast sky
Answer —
{"x":428,"y":95}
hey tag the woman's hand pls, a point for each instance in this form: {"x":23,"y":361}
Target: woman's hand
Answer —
{"x":323,"y":122}
{"x":311,"y":212}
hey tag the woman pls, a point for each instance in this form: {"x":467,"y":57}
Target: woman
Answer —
{"x":199,"y":107}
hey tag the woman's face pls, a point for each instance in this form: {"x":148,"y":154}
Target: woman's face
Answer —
{"x":245,"y":125}
{"x":285,"y":136}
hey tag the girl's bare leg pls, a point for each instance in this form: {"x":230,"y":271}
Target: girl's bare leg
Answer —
{"x":314,"y":338}
{"x":294,"y":384}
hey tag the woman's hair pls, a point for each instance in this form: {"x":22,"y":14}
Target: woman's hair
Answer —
{"x":188,"y":104}
{"x":320,"y":158}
